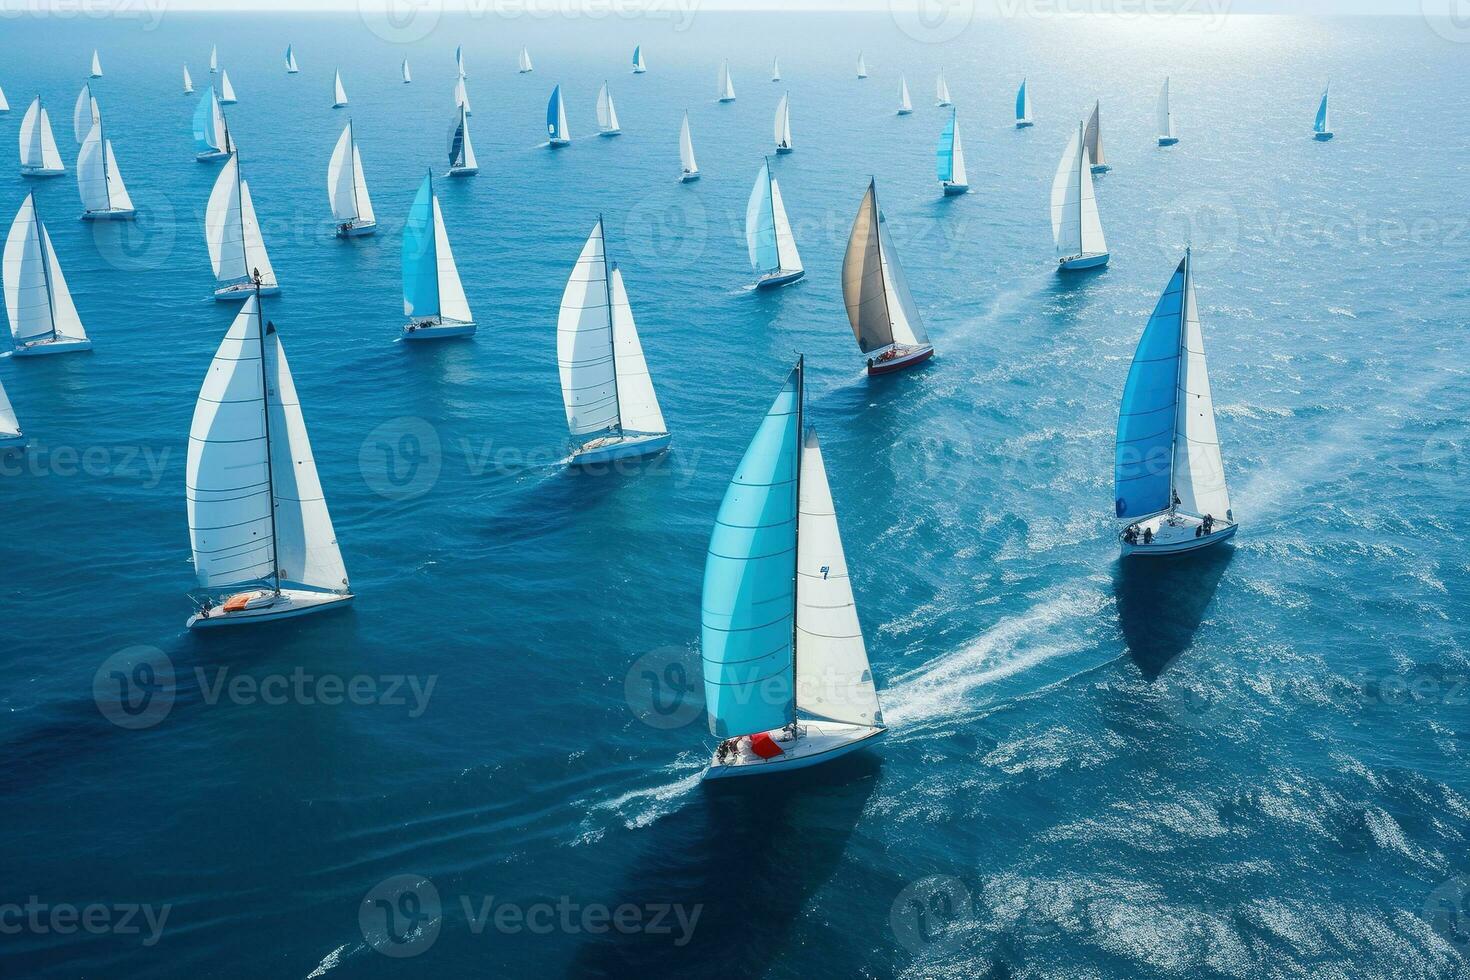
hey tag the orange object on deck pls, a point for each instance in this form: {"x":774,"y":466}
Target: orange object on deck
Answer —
{"x":235,"y":603}
{"x":764,"y":746}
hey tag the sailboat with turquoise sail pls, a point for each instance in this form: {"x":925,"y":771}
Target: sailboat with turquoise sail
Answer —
{"x":688,"y":168}
{"x":236,"y":250}
{"x":39,"y":156}
{"x":882,"y":312}
{"x":1166,"y":117}
{"x":786,"y":677}
{"x":1076,"y":228}
{"x":211,"y":130}
{"x":1023,"y":106}
{"x":291,"y":67}
{"x":1168,"y":477}
{"x":950,"y":158}
{"x":104,"y":196}
{"x":557,"y":133}
{"x":1322,"y":125}
{"x":1092,"y":136}
{"x":768,"y":236}
{"x":639,"y":67}
{"x":11,"y":436}
{"x":262,"y":538}
{"x":783,"y":124}
{"x":433,"y":296}
{"x":612,"y":411}
{"x":43,"y":319}
{"x":462,"y":162}
{"x":352,"y":209}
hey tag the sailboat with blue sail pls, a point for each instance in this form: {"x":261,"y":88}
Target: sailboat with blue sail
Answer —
{"x":557,"y":132}
{"x":607,"y":391}
{"x":1322,"y":125}
{"x":1023,"y":106}
{"x":211,"y":130}
{"x":882,"y":312}
{"x":768,"y":237}
{"x":462,"y":161}
{"x":291,"y":67}
{"x":433,"y":296}
{"x":236,"y":249}
{"x":43,"y":319}
{"x":1076,"y":227}
{"x":786,"y":676}
{"x":352,"y":209}
{"x":39,"y":156}
{"x":639,"y":67}
{"x":950,"y":158}
{"x":1168,"y":476}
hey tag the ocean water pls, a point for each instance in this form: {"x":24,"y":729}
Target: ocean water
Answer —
{"x":1252,"y":762}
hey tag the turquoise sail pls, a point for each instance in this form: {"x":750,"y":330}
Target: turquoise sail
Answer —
{"x":944,"y":155}
{"x":420,"y":256}
{"x":637,"y":50}
{"x":1143,"y":464}
{"x":760,"y":224}
{"x":1320,"y":125}
{"x":206,"y":140}
{"x":1021,"y":101}
{"x":750,"y":581}
{"x":553,"y":114}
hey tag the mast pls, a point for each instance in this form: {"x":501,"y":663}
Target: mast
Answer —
{"x":352,"y":162}
{"x":1081,"y":151}
{"x":244,"y":249}
{"x":771,"y":198}
{"x":265,"y":403}
{"x":1179,"y":356}
{"x":434,"y":246}
{"x":611,"y":336}
{"x":102,"y":146}
{"x":796,"y":535}
{"x":45,"y":250}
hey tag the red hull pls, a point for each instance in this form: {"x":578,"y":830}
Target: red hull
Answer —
{"x":900,"y":363}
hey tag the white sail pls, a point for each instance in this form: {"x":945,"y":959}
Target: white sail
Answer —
{"x":346,"y":186}
{"x":213,"y":59}
{"x":85,"y":114}
{"x":726,"y":83}
{"x":961,"y":177}
{"x":584,"y":344}
{"x":9,"y":424}
{"x":226,"y":90}
{"x":1199,"y":472}
{"x":905,"y":104}
{"x":607,"y":113}
{"x":1075,"y":225}
{"x":525,"y":60}
{"x":98,"y":179}
{"x":941,"y":90}
{"x":453,"y":305}
{"x":465,"y":159}
{"x":787,"y":255}
{"x":407,"y":75}
{"x":37,"y":301}
{"x":291,"y":66}
{"x":862,"y":66}
{"x":459,"y":60}
{"x":783,"y":123}
{"x":255,"y":258}
{"x":37,"y":144}
{"x":339,"y":94}
{"x":231,"y":230}
{"x":96,"y":65}
{"x":462,"y":97}
{"x":637,"y":404}
{"x":907,"y":325}
{"x":1165,"y":117}
{"x":833,"y":679}
{"x":188,"y":82}
{"x":686,"y":148}
{"x":5,"y":105}
{"x":775,"y":69}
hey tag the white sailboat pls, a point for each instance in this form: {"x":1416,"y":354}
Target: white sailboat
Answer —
{"x":84,"y":114}
{"x":1166,"y":117}
{"x":768,"y":237}
{"x":96,"y":65}
{"x":211,"y":130}
{"x":43,"y":319}
{"x":213,"y":58}
{"x":688,"y":169}
{"x":292,"y":67}
{"x":726,"y":83}
{"x":775,"y":69}
{"x":557,"y":133}
{"x":236,"y":251}
{"x":876,"y":293}
{"x":783,"y":124}
{"x":950,"y":157}
{"x":407,"y":75}
{"x":612,"y":411}
{"x":862,"y":66}
{"x":1023,"y":106}
{"x":462,"y":97}
{"x":347,"y":188}
{"x":4,"y":103}
{"x":525,"y":62}
{"x":339,"y":94}
{"x":941,"y":91}
{"x":11,"y":436}
{"x":905,"y":104}
{"x":1092,"y":137}
{"x":607,"y":113}
{"x":226,"y":90}
{"x":1322,"y":125}
{"x":188,"y":82}
{"x":639,"y":66}
{"x":433,"y":296}
{"x":38,"y":154}
{"x":261,"y":535}
{"x":104,"y":197}
{"x":1169,"y":479}
{"x":1075,"y":226}
{"x":462,"y":161}
{"x":786,"y":676}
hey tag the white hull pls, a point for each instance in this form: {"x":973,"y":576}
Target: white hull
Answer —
{"x":354,"y":230}
{"x":463,"y":171}
{"x":290,"y":603}
{"x":611,"y":132}
{"x":620,"y":447}
{"x":57,"y":345}
{"x":821,"y":741}
{"x":1175,"y":535}
{"x":437,"y":331}
{"x":116,"y":214}
{"x":1076,"y":263}
{"x":241,"y":291}
{"x":685,"y":178}
{"x":42,"y":171}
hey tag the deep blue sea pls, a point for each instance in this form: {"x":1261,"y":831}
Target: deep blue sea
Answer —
{"x":1248,"y":763}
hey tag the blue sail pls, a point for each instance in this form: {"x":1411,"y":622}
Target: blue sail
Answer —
{"x":1320,"y":125}
{"x":750,"y":581}
{"x":1021,"y":100}
{"x":760,"y":224}
{"x":553,"y":114}
{"x":420,"y":256}
{"x":1143,"y":465}
{"x":944,"y":156}
{"x":636,"y":51}
{"x":206,"y":140}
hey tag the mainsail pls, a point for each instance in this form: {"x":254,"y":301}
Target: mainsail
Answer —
{"x":226,"y":90}
{"x":941,"y":91}
{"x":232,"y":232}
{"x":431,"y":286}
{"x":1075,"y":226}
{"x":950,"y":154}
{"x":686,"y":148}
{"x":346,"y":185}
{"x":783,"y":122}
{"x":339,"y":94}
{"x":607,"y":113}
{"x":188,"y":82}
{"x":1166,"y":118}
{"x":879,"y":307}
{"x":726,"y":83}
{"x":37,"y":300}
{"x":905,"y":104}
{"x":37,"y":144}
{"x":525,"y":61}
{"x":98,"y":179}
{"x":85,"y":114}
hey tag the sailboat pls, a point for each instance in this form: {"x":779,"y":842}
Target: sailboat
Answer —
{"x":407,"y":75}
{"x":607,"y":113}
{"x":612,"y":411}
{"x":1075,"y":225}
{"x":11,"y":437}
{"x":786,"y":677}
{"x":236,"y":250}
{"x":347,"y":188}
{"x":525,"y":62}
{"x":768,"y":236}
{"x":688,"y":169}
{"x":433,"y":297}
{"x":213,"y":58}
{"x":5,"y":104}
{"x":43,"y":319}
{"x":1023,"y":106}
{"x":84,"y":114}
{"x":226,"y":90}
{"x":188,"y":82}
{"x":775,"y":69}
{"x":783,"y":124}
{"x":941,"y":92}
{"x":104,"y":197}
{"x":262,"y":538}
{"x":726,"y":83}
{"x":950,"y":157}
{"x":905,"y":104}
{"x":459,"y":59}
{"x":211,"y":130}
{"x":1168,"y":476}
{"x":339,"y":94}
{"x":462,"y":161}
{"x":1166,"y":118}
{"x":882,"y":312}
{"x":638,"y":65}
{"x":1092,"y":136}
{"x":462,"y":97}
{"x":556,"y":120}
{"x":96,"y":65}
{"x":38,"y":154}
{"x":1322,"y":125}
{"x":862,"y":66}
{"x":291,"y":67}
